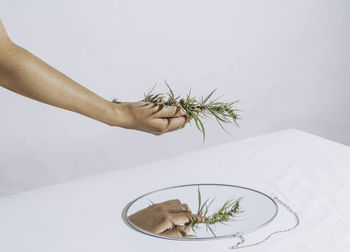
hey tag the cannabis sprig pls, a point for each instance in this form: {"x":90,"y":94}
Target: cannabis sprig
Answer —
{"x":198,"y":109}
{"x":226,"y":213}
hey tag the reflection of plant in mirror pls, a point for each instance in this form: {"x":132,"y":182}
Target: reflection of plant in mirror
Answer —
{"x":226,"y":213}
{"x":223,"y":112}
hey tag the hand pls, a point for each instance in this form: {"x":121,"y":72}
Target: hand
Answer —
{"x":149,"y":118}
{"x":166,"y":218}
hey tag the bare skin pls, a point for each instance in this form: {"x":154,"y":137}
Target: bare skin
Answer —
{"x":27,"y":75}
{"x":167,"y":218}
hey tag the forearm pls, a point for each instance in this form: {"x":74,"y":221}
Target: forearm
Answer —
{"x":25,"y":74}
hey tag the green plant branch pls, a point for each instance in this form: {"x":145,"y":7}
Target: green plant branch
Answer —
{"x":227,"y":212}
{"x":223,"y":112}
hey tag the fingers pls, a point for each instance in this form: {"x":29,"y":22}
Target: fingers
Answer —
{"x":171,"y":124}
{"x":172,"y":233}
{"x":174,"y":215}
{"x":178,"y":208}
{"x":177,"y":123}
{"x":196,"y":111}
{"x":184,"y":228}
{"x":153,"y":118}
{"x":181,"y":218}
{"x":178,"y":231}
{"x":169,"y":111}
{"x":199,"y":218}
{"x":171,"y":202}
{"x":146,"y":108}
{"x":169,"y":220}
{"x":174,"y":206}
{"x":171,"y":118}
{"x":185,"y":217}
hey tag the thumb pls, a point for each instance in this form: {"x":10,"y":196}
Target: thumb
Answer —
{"x":178,"y":231}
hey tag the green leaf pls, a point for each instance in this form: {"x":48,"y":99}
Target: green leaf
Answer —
{"x":199,"y":200}
{"x":208,"y":96}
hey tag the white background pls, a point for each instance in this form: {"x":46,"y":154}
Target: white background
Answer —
{"x":288,"y":61}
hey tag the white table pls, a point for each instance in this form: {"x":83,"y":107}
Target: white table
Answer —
{"x":310,"y":173}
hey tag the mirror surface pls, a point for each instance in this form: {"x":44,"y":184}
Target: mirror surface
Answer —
{"x":256,"y":209}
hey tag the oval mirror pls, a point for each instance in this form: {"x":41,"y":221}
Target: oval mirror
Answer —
{"x":242,"y":209}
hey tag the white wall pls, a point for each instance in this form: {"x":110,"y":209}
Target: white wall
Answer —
{"x":288,"y":61}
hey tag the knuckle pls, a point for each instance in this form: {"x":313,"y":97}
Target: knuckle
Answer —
{"x":186,"y":206}
{"x":177,"y":201}
{"x":159,"y":131}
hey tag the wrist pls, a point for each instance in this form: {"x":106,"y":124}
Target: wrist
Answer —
{"x":117,"y":115}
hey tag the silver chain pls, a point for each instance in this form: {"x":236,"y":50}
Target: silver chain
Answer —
{"x":288,"y":208}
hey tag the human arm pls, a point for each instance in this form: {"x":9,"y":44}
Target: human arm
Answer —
{"x":25,"y":74}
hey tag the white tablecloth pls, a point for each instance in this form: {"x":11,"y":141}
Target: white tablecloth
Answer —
{"x":310,"y":173}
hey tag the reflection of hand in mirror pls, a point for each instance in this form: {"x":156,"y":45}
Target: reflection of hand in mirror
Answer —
{"x":168,"y":218}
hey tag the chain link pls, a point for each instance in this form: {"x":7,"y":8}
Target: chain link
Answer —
{"x":288,"y":208}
